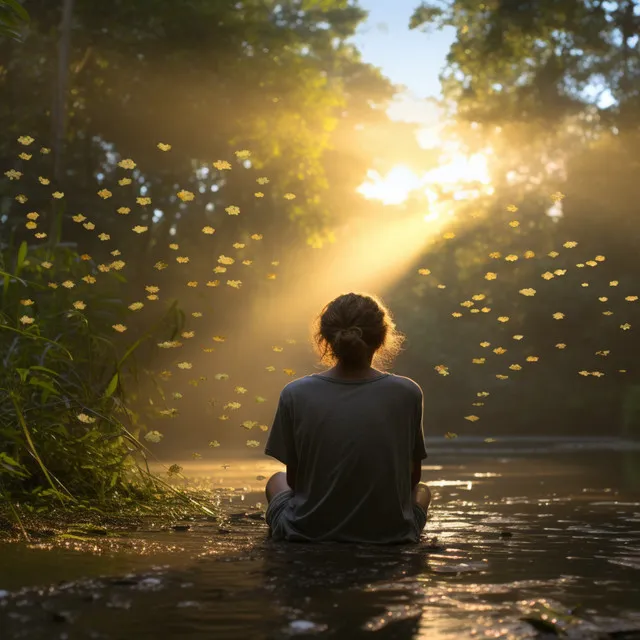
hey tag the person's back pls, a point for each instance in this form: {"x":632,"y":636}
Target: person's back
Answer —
{"x":351,"y":438}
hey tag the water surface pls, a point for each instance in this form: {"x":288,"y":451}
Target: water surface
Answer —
{"x":521,"y":539}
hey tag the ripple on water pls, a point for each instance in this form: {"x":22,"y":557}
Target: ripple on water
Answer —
{"x":464,"y":578}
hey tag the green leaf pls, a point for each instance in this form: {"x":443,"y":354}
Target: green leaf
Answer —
{"x":112,"y":386}
{"x":17,"y":8}
{"x":38,"y":382}
{"x":22,"y":254}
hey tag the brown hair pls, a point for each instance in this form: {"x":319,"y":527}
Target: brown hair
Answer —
{"x":355,"y":327}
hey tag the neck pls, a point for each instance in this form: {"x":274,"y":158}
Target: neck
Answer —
{"x":363,"y":371}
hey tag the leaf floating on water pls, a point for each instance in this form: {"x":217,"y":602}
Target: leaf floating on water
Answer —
{"x":472,"y":418}
{"x":561,"y":345}
{"x":249,"y":424}
{"x":253,"y":443}
{"x":163,"y":146}
{"x":558,"y":315}
{"x":442,"y":369}
{"x":240,"y":390}
{"x":490,"y":275}
{"x":450,"y":435}
{"x":270,"y":368}
{"x":424,"y":272}
{"x":289,"y":372}
{"x":153,"y":436}
{"x":528,"y":292}
{"x":214,"y":444}
{"x":485,"y":344}
{"x":570,"y":244}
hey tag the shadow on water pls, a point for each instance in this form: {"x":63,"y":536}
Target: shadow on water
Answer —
{"x":517,"y":546}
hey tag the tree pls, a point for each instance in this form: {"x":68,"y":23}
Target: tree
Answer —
{"x":551,"y":90}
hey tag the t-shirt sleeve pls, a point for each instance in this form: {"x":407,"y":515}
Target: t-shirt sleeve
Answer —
{"x":419,"y":449}
{"x":280,"y":444}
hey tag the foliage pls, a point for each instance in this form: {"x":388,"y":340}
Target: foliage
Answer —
{"x":67,"y":429}
{"x":548,"y":92}
{"x":13,"y":16}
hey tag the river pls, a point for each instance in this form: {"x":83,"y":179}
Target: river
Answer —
{"x":525,"y":537}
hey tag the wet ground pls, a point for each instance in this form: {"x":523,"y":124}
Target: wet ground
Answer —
{"x":524,"y":541}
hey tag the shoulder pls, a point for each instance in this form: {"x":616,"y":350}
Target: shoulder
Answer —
{"x":298,"y":386}
{"x":407,"y":385}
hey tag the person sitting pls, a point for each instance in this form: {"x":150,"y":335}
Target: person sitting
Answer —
{"x":351,"y":438}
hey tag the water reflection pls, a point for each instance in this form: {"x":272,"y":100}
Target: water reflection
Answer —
{"x":513,"y":544}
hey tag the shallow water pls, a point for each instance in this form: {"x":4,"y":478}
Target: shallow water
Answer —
{"x":522,"y":534}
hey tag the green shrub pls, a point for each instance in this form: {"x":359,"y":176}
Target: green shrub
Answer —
{"x":67,"y":427}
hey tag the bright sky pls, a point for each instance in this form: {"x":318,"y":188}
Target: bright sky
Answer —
{"x":410,"y":58}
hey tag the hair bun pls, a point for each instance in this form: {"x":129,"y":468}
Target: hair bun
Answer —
{"x":351,"y":331}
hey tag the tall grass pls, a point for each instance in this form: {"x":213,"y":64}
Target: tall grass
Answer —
{"x":68,"y":431}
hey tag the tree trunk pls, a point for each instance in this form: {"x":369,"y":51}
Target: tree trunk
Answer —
{"x":59,"y":112}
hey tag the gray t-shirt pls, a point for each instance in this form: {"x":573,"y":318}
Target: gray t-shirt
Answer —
{"x":352,"y":444}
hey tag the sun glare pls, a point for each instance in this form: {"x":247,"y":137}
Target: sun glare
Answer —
{"x":394,"y":188}
{"x":459,"y":176}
